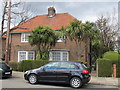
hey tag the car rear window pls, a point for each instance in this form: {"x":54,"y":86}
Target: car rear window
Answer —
{"x":84,"y":66}
{"x":81,"y":66}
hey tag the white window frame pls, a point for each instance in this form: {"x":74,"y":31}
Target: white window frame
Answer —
{"x":23,"y":35}
{"x":26,"y":55}
{"x":61,"y":55}
{"x":61,"y":39}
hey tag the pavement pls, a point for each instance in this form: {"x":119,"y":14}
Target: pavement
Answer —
{"x":94,"y":80}
{"x":104,"y":80}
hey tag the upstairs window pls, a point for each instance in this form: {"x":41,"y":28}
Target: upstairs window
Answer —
{"x":61,"y":39}
{"x":25,"y":37}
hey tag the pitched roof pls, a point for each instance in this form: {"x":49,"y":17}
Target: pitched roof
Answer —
{"x":54,"y":23}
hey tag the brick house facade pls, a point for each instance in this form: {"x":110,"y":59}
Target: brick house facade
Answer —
{"x":20,"y":49}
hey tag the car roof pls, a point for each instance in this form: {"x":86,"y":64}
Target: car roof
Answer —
{"x":68,"y":61}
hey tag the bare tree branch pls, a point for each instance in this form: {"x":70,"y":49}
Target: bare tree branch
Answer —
{"x":3,"y":16}
{"x":20,"y":13}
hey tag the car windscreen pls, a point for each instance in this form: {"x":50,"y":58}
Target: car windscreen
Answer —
{"x":4,"y":66}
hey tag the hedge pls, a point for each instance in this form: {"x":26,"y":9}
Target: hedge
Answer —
{"x":104,"y":67}
{"x":31,"y":64}
{"x":13,"y":65}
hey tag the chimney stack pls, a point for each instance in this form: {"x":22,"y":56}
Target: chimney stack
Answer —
{"x":51,"y":12}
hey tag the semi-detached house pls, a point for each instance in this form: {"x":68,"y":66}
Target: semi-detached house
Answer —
{"x":20,"y":48}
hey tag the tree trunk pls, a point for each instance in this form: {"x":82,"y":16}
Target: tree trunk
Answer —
{"x":8,"y":33}
{"x":79,"y":50}
{"x":38,"y":51}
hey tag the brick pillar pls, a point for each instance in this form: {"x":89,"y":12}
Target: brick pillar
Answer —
{"x":114,"y":70}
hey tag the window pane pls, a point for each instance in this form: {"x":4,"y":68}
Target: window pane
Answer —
{"x":22,"y":56}
{"x":51,"y":66}
{"x":72,"y":66}
{"x":31,"y":55}
{"x":24,"y":37}
{"x":64,"y":65}
{"x":59,"y":55}
{"x":65,"y":56}
{"x":56,"y":56}
{"x":61,"y":39}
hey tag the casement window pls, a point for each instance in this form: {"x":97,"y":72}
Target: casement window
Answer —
{"x":24,"y":37}
{"x":59,"y":55}
{"x":26,"y":55}
{"x":61,"y":39}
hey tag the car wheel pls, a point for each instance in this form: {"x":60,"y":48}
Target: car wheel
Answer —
{"x":75,"y":82}
{"x":32,"y":79}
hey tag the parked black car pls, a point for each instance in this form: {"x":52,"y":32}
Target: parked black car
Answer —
{"x":5,"y":70}
{"x":73,"y":73}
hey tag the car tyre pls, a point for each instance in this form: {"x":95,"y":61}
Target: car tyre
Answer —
{"x":32,"y":79}
{"x":76,"y":82}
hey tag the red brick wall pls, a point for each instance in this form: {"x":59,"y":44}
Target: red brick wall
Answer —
{"x":72,"y":47}
{"x":16,"y":46}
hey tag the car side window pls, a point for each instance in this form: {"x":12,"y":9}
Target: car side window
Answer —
{"x":51,"y":66}
{"x":66,"y":65}
{"x":73,"y":66}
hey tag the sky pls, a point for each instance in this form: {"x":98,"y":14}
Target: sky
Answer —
{"x":85,"y":11}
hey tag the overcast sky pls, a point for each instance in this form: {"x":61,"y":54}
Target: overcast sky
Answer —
{"x":85,"y":11}
{"x":81,"y":10}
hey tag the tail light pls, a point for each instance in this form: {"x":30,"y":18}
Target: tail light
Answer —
{"x":85,"y":71}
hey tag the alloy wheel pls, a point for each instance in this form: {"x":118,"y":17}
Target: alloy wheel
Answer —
{"x":33,"y":79}
{"x":75,"y":82}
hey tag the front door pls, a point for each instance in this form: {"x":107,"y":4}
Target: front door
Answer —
{"x":63,"y":73}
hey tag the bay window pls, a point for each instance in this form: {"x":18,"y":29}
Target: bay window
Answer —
{"x":57,"y":55}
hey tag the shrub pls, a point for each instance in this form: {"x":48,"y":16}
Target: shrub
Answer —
{"x":104,"y":67}
{"x":25,"y":65}
{"x":111,"y":55}
{"x":13,"y":65}
{"x":20,"y":66}
{"x":39,"y":63}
